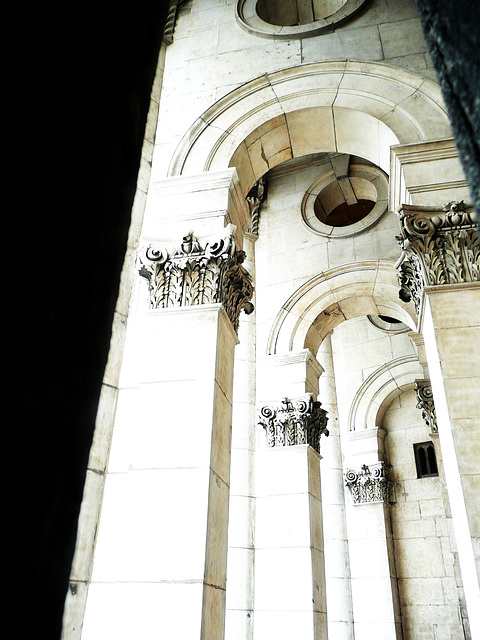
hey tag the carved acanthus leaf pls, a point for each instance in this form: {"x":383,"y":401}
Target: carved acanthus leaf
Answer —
{"x":293,"y":422}
{"x":370,"y":483}
{"x":197,"y":273}
{"x":255,"y":199}
{"x":440,"y":246}
{"x":425,"y":403}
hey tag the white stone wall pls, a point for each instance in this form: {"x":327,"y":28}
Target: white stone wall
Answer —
{"x":211,"y":55}
{"x":289,"y":253}
{"x":421,"y":531}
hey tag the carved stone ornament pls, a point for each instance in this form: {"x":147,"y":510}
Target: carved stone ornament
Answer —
{"x":439,"y":247}
{"x":292,"y":422}
{"x":370,"y":483}
{"x":198,"y":273}
{"x":255,"y":198}
{"x":425,"y":403}
{"x":169,"y":29}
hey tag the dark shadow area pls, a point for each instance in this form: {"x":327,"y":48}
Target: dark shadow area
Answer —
{"x":84,"y":96}
{"x":452,"y":33}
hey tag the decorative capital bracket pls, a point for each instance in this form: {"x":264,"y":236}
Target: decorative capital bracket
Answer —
{"x":425,"y":403}
{"x":255,"y":199}
{"x":370,"y":483}
{"x":197,"y":273}
{"x":293,"y":422}
{"x":439,"y":247}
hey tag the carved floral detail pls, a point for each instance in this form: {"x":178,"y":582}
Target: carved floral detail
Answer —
{"x":255,"y":198}
{"x":292,"y":422}
{"x":439,"y":247}
{"x":369,"y":483}
{"x":198,"y":273}
{"x":425,"y":403}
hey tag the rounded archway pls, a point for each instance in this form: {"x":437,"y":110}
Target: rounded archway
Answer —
{"x":358,"y":108}
{"x":379,"y":389}
{"x":342,"y":293}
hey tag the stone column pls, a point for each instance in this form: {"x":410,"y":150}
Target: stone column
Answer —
{"x":440,"y":271}
{"x":240,"y":571}
{"x":337,"y":562}
{"x":161,"y":551}
{"x":289,"y":555}
{"x":376,"y":609}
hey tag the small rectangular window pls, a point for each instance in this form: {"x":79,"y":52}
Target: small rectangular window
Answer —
{"x":425,"y":459}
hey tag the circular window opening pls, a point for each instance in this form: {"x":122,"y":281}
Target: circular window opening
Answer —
{"x":388,"y":324}
{"x":389,"y":319}
{"x":285,"y":19}
{"x":345,"y":201}
{"x":291,"y":13}
{"x":346,"y":214}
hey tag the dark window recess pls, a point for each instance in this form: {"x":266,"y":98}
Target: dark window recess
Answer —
{"x":425,"y":459}
{"x":390,"y":319}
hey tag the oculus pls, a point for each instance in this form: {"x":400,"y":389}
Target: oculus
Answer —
{"x":347,"y":198}
{"x":294,"y":18}
{"x":388,"y":324}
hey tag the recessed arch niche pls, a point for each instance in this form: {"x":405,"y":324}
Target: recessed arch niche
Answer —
{"x":359,"y":108}
{"x":326,"y":300}
{"x":294,"y":18}
{"x":379,"y":390}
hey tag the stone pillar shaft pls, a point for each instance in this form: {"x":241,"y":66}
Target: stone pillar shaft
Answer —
{"x":290,"y":597}
{"x":449,"y":338}
{"x":289,"y":557}
{"x":240,"y":565}
{"x":376,"y":609}
{"x":440,"y":271}
{"x":337,"y":563}
{"x":161,"y":551}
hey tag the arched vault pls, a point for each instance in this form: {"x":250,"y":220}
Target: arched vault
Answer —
{"x":341,"y":293}
{"x":359,"y":108}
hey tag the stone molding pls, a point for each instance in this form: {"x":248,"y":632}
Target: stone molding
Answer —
{"x":294,"y":422}
{"x":439,"y":247}
{"x":369,"y":483}
{"x":426,"y":404}
{"x":198,"y":273}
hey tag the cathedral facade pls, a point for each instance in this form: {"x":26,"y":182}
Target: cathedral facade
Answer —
{"x":287,"y":440}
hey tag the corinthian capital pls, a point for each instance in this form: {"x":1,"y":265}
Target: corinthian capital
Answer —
{"x":292,"y":422}
{"x":369,"y":483}
{"x":440,"y":246}
{"x":198,"y":272}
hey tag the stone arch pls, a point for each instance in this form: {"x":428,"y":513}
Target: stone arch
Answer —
{"x":379,"y":390}
{"x":360,"y":108}
{"x":329,"y":298}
